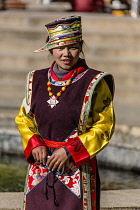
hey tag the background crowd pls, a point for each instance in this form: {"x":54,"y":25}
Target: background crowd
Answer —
{"x":116,"y":7}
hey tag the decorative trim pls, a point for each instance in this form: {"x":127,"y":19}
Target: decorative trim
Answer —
{"x":86,"y":186}
{"x":29,"y":81}
{"x":92,"y":168}
{"x":87,"y":102}
{"x":62,"y":83}
{"x":82,"y":129}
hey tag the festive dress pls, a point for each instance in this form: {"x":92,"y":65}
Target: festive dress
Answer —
{"x":82,"y":122}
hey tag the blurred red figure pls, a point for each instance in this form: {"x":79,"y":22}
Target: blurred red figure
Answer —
{"x":88,"y":5}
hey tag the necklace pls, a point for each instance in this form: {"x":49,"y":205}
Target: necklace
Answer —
{"x":53,"y":98}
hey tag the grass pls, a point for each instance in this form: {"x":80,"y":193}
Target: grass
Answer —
{"x":12,"y":177}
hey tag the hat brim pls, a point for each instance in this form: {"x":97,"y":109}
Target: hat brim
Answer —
{"x":61,"y":43}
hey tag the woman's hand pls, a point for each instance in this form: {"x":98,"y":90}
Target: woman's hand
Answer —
{"x":40,"y":154}
{"x":57,"y":160}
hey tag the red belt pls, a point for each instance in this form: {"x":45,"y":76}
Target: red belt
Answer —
{"x":54,"y":144}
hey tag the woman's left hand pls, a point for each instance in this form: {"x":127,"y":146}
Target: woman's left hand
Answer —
{"x":57,"y":160}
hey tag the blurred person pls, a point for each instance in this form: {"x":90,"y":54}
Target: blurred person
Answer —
{"x":135,"y":8}
{"x":88,"y":5}
{"x":120,"y":7}
{"x":2,"y":4}
{"x":65,"y":120}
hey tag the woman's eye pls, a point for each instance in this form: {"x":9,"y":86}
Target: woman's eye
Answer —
{"x":61,"y":48}
{"x":73,"y":48}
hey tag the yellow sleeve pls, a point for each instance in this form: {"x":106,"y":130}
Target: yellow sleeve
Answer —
{"x":28,"y":129}
{"x":101,"y":121}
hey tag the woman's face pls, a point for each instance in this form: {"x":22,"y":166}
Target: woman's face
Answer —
{"x":66,"y":56}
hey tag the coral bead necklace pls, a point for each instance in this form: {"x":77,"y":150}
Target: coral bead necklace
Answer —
{"x":53,"y":98}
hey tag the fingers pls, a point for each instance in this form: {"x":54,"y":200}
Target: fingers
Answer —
{"x":35,"y":154}
{"x":60,"y":166}
{"x":40,"y":154}
{"x":50,"y":162}
{"x":53,"y":163}
{"x":57,"y":160}
{"x":43,"y":158}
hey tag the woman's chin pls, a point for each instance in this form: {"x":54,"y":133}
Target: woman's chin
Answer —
{"x":65,"y":67}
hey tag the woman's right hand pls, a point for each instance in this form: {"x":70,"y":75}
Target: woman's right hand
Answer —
{"x":40,"y":154}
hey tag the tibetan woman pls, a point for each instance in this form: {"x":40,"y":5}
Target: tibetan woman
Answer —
{"x":65,"y":120}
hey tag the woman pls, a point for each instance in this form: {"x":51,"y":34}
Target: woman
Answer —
{"x":65,"y":119}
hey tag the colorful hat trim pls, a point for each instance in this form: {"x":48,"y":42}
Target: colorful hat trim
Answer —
{"x":63,"y":32}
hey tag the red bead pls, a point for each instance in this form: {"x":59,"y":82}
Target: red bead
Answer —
{"x":61,"y":91}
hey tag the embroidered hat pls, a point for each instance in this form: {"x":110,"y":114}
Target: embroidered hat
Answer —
{"x":62,"y":32}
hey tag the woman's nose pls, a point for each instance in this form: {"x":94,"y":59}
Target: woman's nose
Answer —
{"x":66,"y":51}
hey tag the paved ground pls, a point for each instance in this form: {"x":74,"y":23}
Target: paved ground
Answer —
{"x":117,"y":199}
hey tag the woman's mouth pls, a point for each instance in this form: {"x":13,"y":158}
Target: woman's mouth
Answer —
{"x":66,"y":62}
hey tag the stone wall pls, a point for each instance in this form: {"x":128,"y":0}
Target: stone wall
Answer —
{"x":124,"y":149}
